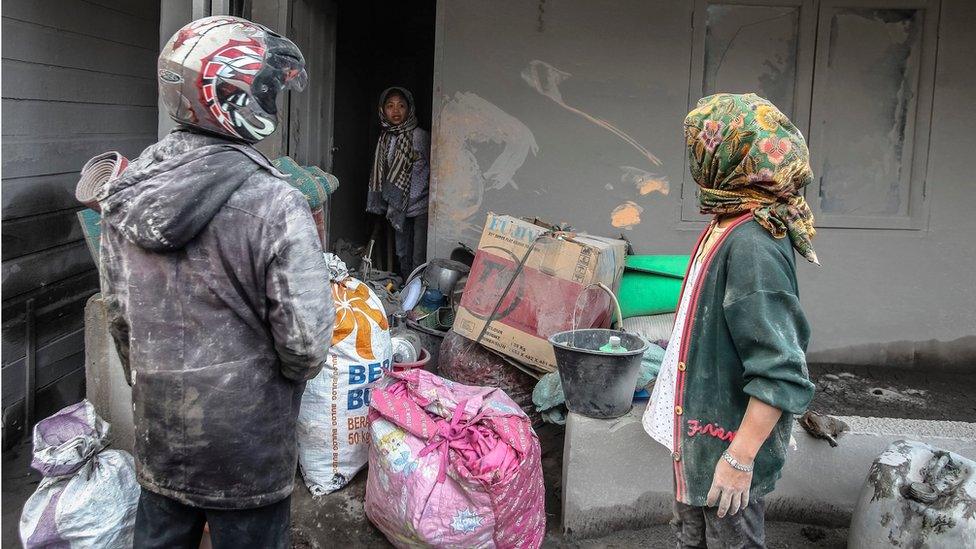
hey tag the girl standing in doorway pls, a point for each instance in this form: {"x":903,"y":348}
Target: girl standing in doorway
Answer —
{"x":400,"y":180}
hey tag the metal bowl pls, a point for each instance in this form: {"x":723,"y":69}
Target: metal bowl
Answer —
{"x":443,"y":274}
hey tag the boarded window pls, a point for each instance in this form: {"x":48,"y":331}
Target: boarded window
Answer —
{"x":870,"y":112}
{"x":760,"y":46}
{"x":752,"y":49}
{"x":862,"y":95}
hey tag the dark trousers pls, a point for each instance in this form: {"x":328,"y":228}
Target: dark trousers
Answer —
{"x":700,"y":527}
{"x":162,"y":522}
{"x":411,"y":244}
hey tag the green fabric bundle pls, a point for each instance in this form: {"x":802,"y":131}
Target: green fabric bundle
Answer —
{"x":329,"y":181}
{"x":314,"y":182}
{"x":651,"y":284}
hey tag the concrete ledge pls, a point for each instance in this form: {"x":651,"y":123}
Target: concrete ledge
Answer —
{"x":105,"y":384}
{"x":615,"y":477}
{"x":932,"y":355}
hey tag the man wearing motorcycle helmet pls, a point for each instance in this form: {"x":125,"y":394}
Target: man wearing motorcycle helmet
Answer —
{"x":217,"y":294}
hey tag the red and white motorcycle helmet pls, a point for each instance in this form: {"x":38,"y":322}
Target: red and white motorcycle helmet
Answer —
{"x":223,"y":75}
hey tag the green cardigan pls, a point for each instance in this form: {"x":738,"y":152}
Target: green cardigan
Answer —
{"x":747,"y":338}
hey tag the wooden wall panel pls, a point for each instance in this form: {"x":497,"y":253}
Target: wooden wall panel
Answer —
{"x":59,"y":308}
{"x":61,"y":357}
{"x":84,"y":18}
{"x":26,"y":117}
{"x":37,"y":233}
{"x":46,"y":46}
{"x":139,"y":10}
{"x":24,"y":80}
{"x":24,"y":157}
{"x":78,"y":80}
{"x":24,"y":196}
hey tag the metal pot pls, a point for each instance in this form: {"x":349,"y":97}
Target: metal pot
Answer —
{"x":443,"y":274}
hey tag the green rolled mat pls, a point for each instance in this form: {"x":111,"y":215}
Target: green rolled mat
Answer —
{"x":91,"y":227}
{"x":314,"y":190}
{"x":651,"y":284}
{"x":315,"y":184}
{"x":329,"y":181}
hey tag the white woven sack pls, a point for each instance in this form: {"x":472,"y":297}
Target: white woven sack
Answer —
{"x":333,"y":436}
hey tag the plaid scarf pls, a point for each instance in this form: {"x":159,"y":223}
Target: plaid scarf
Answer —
{"x":744,"y":154}
{"x":394,"y":168}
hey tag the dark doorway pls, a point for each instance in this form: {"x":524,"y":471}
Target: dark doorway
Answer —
{"x":378,"y":44}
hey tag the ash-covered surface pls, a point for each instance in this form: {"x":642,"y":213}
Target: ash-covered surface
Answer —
{"x":19,"y":482}
{"x":334,"y":520}
{"x":779,"y":535}
{"x":338,"y":520}
{"x":894,"y":393}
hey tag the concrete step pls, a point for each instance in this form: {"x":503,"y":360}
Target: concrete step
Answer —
{"x":615,"y":477}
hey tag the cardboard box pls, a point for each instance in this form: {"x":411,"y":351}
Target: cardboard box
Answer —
{"x":542,"y":299}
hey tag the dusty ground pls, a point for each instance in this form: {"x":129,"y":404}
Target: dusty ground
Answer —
{"x":337,"y":520}
{"x":19,"y":482}
{"x":890,"y":392}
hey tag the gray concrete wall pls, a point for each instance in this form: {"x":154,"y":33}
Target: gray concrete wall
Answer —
{"x":78,"y":80}
{"x":515,"y":83}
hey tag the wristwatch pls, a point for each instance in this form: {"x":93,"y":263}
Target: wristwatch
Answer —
{"x":735,"y":463}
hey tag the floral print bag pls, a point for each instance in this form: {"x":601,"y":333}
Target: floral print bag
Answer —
{"x":452,"y":465}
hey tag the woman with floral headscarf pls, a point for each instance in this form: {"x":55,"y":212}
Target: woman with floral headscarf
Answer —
{"x":400,"y":179}
{"x":735,"y":370}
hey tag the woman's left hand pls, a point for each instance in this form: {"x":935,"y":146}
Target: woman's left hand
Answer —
{"x":730,"y":489}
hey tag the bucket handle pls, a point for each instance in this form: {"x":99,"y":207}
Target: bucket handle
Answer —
{"x":613,"y":298}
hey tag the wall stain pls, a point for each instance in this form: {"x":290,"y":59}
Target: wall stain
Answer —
{"x":626,"y":216}
{"x":458,"y":180}
{"x":644,"y":181}
{"x":545,"y":79}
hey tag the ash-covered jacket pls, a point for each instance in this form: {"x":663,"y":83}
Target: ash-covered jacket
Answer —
{"x":218,"y":299}
{"x":747,"y":338}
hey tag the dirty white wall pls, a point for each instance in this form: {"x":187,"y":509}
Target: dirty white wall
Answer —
{"x":563,"y":109}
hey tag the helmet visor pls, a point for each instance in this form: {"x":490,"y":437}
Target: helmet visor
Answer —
{"x":296,"y":79}
{"x":280,"y":73}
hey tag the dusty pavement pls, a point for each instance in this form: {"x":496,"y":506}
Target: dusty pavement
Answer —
{"x":338,"y":520}
{"x":893,"y":392}
{"x":19,"y":482}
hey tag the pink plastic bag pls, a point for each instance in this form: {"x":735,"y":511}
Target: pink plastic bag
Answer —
{"x":452,"y":465}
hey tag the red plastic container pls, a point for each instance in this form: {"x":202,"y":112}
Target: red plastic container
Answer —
{"x":407,"y":366}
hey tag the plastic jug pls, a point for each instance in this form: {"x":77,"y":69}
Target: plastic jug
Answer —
{"x":613,"y":346}
{"x":916,"y":496}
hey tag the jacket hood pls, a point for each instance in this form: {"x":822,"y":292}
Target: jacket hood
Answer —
{"x":172,"y":191}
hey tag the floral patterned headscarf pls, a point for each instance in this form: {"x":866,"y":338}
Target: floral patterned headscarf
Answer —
{"x":746,"y":155}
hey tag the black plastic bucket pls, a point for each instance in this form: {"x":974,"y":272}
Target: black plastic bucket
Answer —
{"x":598,"y":384}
